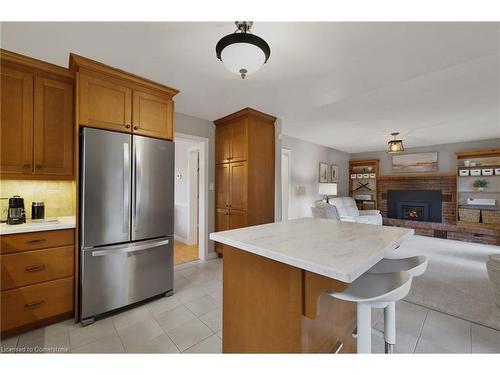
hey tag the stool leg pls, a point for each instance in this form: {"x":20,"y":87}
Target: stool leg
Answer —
{"x":364,"y":323}
{"x":390,"y":327}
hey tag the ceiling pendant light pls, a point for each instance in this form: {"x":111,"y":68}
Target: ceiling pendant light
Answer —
{"x":395,"y":146}
{"x":243,"y":53}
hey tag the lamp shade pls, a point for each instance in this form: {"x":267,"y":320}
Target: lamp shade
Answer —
{"x":328,"y":189}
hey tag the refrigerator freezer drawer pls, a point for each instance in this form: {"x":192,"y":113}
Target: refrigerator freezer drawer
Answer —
{"x":116,"y":276}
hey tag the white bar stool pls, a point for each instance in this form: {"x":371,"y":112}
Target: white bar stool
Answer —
{"x":374,"y":290}
{"x":415,"y":266}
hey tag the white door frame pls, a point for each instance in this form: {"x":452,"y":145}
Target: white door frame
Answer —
{"x":288,"y":153}
{"x":193,"y":209}
{"x":202,"y":192}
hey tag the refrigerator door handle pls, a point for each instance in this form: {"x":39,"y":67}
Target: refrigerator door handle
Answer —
{"x":137,"y":184}
{"x":126,"y":184}
{"x":110,"y":250}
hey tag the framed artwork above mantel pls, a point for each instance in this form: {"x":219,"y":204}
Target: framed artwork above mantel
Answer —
{"x":417,"y":162}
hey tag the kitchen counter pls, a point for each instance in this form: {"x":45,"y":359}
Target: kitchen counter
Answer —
{"x":331,"y":248}
{"x":276,"y":277}
{"x":51,"y":223}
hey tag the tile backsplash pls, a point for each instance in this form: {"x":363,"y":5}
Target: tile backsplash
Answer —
{"x":58,"y":196}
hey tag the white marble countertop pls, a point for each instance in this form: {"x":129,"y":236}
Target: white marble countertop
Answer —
{"x":50,"y":223}
{"x":336,"y":249}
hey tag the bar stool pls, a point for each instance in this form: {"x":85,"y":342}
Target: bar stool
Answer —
{"x":415,"y":266}
{"x":374,"y":290}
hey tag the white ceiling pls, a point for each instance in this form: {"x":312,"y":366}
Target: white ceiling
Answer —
{"x":342,"y":85}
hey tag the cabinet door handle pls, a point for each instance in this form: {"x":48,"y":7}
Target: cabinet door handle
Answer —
{"x":34,"y":305}
{"x":37,"y":268}
{"x":227,"y":213}
{"x":127,"y":126}
{"x":36,"y":241}
{"x":136,"y":127}
{"x":38,"y":166}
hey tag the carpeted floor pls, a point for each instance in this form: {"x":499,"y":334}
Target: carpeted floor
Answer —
{"x":456,"y":281}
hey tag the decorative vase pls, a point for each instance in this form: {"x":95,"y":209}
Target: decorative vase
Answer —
{"x":480,"y":189}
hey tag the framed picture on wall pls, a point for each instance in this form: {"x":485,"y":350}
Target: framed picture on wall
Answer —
{"x":324,"y":172}
{"x":334,"y":175}
{"x":419,"y":162}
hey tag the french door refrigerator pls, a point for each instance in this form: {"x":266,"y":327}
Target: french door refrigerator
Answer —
{"x":126,"y":220}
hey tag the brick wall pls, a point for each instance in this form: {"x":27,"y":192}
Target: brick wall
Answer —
{"x":447,"y":185}
{"x":448,"y":228}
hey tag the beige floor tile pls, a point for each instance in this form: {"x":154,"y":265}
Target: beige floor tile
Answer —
{"x":485,"y":340}
{"x":80,"y":336}
{"x":139,"y":333}
{"x":212,"y":344}
{"x":173,"y":318}
{"x":45,"y":340}
{"x":189,"y":294}
{"x":108,"y":344}
{"x":181,"y":283}
{"x":444,"y":334}
{"x":202,"y":305}
{"x":130,"y":317}
{"x":159,"y":344}
{"x":163,"y":304}
{"x":213,"y":319}
{"x":212,"y":286}
{"x":189,"y":334}
{"x":188,"y":272}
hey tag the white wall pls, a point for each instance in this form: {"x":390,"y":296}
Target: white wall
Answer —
{"x":202,"y":128}
{"x":304,"y":160}
{"x":181,"y":200}
{"x":447,"y":160}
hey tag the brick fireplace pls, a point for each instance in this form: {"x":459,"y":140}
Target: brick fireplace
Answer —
{"x":446,"y":228}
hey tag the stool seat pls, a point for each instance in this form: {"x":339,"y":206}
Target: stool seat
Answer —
{"x":376,"y":288}
{"x":414,"y":265}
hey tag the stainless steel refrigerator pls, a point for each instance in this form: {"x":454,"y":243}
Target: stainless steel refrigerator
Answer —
{"x":126,"y":220}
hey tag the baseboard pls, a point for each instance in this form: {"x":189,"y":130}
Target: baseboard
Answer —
{"x":180,"y":239}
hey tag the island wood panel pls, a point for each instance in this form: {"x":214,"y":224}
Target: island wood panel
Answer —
{"x":53,"y":145}
{"x":270,"y":307}
{"x":16,"y":130}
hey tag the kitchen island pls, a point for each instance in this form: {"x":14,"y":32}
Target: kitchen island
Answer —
{"x":275,"y":276}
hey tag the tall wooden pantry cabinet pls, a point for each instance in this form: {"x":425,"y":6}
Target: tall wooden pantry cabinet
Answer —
{"x":244,"y":171}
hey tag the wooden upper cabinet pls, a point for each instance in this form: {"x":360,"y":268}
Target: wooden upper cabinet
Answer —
{"x":109,"y":98}
{"x":16,"y":130}
{"x":53,"y":127}
{"x":222,"y":184}
{"x":239,"y":141}
{"x":104,"y":102}
{"x":223,"y":144}
{"x":152,"y":115}
{"x":238,"y":186}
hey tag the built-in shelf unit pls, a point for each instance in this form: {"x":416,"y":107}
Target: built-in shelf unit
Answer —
{"x":363,"y":176}
{"x":478,"y":207}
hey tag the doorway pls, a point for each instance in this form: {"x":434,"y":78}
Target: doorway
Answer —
{"x":190,"y":198}
{"x":285,"y":183}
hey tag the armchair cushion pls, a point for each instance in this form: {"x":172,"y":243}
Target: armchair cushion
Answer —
{"x":348,"y":211}
{"x":324,"y":210}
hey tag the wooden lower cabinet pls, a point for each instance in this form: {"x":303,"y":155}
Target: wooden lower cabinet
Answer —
{"x":33,"y":303}
{"x":237,"y":219}
{"x":31,"y":267}
{"x":37,"y":270}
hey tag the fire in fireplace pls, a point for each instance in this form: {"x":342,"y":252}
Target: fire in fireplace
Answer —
{"x":417,"y":205}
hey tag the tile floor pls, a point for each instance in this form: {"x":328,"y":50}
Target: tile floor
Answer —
{"x":190,"y":322}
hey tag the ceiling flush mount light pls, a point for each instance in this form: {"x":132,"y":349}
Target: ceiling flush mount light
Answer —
{"x":395,"y":146}
{"x":243,"y":53}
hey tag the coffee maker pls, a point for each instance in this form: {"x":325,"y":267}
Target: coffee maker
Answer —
{"x":16,"y":213}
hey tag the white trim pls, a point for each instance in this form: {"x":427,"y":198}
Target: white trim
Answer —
{"x":192,"y":214}
{"x":203,"y":192}
{"x":288,"y":153}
